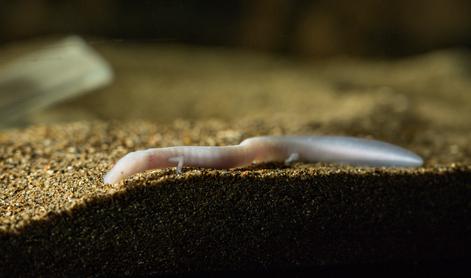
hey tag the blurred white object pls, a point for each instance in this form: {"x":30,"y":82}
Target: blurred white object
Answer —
{"x":54,"y":73}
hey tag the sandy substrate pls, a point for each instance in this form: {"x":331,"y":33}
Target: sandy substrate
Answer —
{"x":58,"y":218}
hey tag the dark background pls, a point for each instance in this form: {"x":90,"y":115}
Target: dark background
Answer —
{"x":324,"y":28}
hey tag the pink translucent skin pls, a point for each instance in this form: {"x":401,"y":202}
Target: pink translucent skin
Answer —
{"x":331,"y":149}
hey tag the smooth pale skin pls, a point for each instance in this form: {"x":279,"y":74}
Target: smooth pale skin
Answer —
{"x":332,"y":149}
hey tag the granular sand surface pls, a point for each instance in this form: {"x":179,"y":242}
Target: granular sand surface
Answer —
{"x":49,"y":169}
{"x":58,"y":218}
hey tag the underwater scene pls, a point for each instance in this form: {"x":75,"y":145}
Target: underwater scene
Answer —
{"x":291,"y":138}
